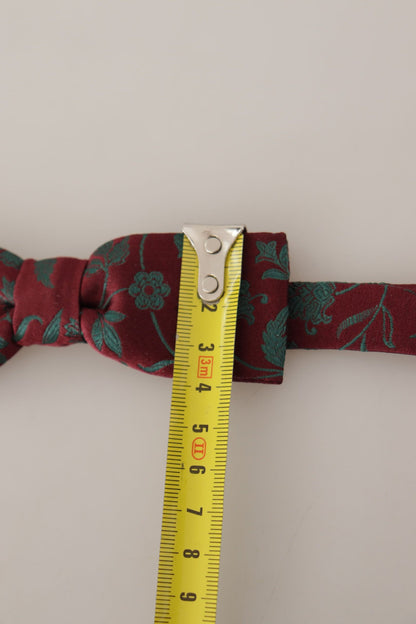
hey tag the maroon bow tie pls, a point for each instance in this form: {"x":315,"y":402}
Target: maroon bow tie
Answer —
{"x":123,"y":302}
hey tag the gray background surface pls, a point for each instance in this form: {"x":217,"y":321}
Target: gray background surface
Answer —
{"x":124,"y":117}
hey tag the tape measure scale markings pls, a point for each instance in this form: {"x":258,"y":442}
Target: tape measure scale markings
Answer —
{"x":190,"y":546}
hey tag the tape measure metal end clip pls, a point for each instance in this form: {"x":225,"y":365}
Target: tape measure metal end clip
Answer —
{"x":212,"y":244}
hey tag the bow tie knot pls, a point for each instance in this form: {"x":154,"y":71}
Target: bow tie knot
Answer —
{"x":45,"y":308}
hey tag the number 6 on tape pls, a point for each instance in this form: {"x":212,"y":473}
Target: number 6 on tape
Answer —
{"x":190,"y":546}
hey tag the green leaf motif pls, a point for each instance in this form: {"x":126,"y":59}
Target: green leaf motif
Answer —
{"x":267,"y":252}
{"x":3,"y":343}
{"x":6,"y":294}
{"x":245,"y":307}
{"x":104,"y":333}
{"x":10,"y":259}
{"x":178,"y":238}
{"x":111,"y":339}
{"x":3,"y":358}
{"x":156,"y":366}
{"x":103,"y":249}
{"x":114,"y":317}
{"x":284,"y":260}
{"x":388,"y":321}
{"x":51,"y":333}
{"x":44,"y":270}
{"x":274,"y":346}
{"x":354,"y":319}
{"x":274,"y":274}
{"x":94,"y":266}
{"x":21,"y":330}
{"x":97,"y":334}
{"x":120,"y":252}
{"x":113,"y":253}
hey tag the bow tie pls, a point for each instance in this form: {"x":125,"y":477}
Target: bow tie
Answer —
{"x":123,"y":302}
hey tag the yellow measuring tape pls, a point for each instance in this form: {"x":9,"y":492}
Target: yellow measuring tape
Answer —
{"x":197,"y":448}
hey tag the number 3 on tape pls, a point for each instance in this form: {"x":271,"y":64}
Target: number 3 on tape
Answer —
{"x":190,"y":546}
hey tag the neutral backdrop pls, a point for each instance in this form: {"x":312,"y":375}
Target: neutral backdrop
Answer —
{"x":126,"y":117}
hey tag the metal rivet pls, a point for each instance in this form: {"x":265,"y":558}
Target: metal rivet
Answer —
{"x":209,"y":284}
{"x":212,"y":245}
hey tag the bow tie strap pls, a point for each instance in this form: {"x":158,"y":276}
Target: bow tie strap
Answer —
{"x":360,"y":317}
{"x":123,"y":302}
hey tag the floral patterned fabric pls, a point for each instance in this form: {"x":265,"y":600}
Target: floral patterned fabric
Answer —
{"x":358,"y":317}
{"x":123,"y":302}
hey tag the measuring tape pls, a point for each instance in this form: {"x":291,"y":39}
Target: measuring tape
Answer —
{"x":198,"y":432}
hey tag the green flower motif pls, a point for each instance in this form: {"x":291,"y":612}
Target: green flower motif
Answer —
{"x":149,"y":290}
{"x":72,"y":329}
{"x":309,"y":301}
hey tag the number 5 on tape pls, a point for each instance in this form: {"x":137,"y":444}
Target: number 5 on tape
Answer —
{"x":190,"y":546}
